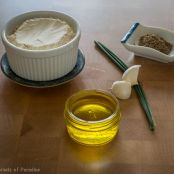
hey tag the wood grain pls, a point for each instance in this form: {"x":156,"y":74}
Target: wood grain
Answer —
{"x":32,"y":129}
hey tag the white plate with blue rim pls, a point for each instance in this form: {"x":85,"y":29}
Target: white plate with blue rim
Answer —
{"x":137,"y":30}
{"x":5,"y":67}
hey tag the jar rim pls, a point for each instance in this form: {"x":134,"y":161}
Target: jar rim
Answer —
{"x":108,"y":94}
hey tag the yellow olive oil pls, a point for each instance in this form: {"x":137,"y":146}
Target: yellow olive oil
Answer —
{"x":92,"y":117}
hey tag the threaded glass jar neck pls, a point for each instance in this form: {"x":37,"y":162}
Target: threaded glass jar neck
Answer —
{"x":92,"y":107}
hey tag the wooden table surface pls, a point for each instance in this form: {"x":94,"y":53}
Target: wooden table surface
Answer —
{"x":33,"y":136}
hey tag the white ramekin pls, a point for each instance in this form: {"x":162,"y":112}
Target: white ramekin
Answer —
{"x":41,"y":65}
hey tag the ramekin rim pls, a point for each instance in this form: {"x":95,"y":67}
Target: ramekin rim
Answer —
{"x":77,"y":34}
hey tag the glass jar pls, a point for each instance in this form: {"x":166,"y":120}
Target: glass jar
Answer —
{"x":92,"y":117}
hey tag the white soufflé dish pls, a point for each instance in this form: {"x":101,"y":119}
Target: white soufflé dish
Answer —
{"x":41,"y":45}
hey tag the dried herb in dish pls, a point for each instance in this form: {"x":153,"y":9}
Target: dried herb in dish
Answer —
{"x":156,"y":42}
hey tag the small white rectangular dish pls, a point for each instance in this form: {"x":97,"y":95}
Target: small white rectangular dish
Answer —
{"x":131,"y":39}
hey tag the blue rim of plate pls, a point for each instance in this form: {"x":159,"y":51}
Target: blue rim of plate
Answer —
{"x":5,"y":67}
